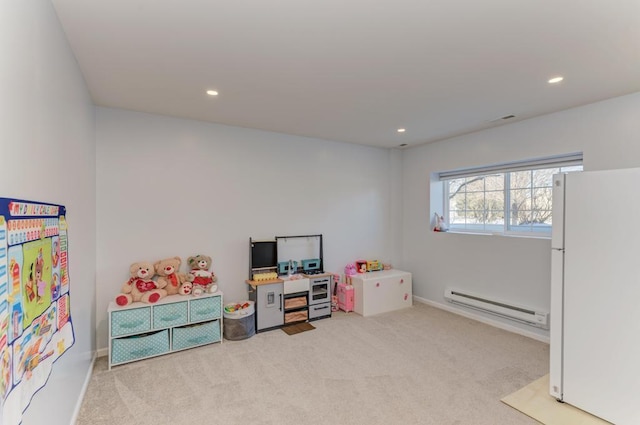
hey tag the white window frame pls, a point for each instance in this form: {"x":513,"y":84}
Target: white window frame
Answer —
{"x":559,"y":161}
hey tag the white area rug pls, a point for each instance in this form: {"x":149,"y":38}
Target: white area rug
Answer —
{"x":534,"y":401}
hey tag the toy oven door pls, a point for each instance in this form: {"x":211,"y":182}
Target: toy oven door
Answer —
{"x":320,"y":290}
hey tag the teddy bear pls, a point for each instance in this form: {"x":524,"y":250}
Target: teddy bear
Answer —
{"x":202,"y":279}
{"x":141,"y":287}
{"x":170,"y":279}
{"x":186,"y":288}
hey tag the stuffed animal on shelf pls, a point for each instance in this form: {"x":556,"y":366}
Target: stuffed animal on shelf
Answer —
{"x":202,"y":279}
{"x":170,"y":279}
{"x":186,"y":288}
{"x":141,"y":287}
{"x":350,"y":269}
{"x":439,"y":223}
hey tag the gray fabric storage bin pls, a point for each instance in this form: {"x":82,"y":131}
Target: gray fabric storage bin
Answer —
{"x":240,"y":324}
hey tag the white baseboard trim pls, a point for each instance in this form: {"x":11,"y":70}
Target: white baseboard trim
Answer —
{"x":102,"y":352}
{"x":485,"y":320}
{"x":85,"y":385}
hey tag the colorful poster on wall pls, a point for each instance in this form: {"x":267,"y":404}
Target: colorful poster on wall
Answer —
{"x":35,"y":321}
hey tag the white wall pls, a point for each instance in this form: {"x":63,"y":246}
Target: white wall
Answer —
{"x":169,"y":186}
{"x":48,"y":154}
{"x":515,"y":269}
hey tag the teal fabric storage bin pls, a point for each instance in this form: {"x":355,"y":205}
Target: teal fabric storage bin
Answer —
{"x":194,"y":335}
{"x":130,"y":321}
{"x":205,"y":309}
{"x":139,"y":346}
{"x":168,"y":315}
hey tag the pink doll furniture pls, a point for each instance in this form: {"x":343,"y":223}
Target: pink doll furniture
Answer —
{"x":345,"y":297}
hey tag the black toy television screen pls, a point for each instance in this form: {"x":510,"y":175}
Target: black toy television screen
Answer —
{"x":263,"y":254}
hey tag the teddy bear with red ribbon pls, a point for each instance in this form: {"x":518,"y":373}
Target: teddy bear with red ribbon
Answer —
{"x":170,"y":279}
{"x":141,"y":287}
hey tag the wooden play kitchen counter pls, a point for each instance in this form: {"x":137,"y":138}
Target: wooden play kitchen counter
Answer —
{"x":287,"y":281}
{"x":291,"y":299}
{"x":282,"y":280}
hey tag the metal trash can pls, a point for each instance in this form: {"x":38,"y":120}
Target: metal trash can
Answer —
{"x":239,"y":323}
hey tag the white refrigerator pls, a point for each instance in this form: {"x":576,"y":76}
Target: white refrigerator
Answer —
{"x":595,"y":293}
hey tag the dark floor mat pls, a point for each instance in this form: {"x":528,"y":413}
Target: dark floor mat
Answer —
{"x":297,"y":328}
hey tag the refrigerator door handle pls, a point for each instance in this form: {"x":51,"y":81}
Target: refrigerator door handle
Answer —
{"x":558,"y":211}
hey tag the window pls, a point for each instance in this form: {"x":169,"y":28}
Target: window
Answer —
{"x":514,"y":198}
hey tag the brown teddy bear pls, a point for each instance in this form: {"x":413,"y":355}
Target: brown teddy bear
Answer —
{"x":172,"y":281}
{"x":202,"y":279}
{"x":140,"y":287}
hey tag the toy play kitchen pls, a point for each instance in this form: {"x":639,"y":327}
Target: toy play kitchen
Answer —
{"x":287,"y":281}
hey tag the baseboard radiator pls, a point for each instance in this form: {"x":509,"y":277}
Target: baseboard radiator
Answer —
{"x":539,"y":319}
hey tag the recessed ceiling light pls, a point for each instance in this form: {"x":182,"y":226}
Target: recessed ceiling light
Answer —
{"x":555,"y":80}
{"x":212,"y":92}
{"x":401,"y":130}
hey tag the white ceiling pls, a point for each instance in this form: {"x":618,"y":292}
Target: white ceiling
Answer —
{"x":355,"y":70}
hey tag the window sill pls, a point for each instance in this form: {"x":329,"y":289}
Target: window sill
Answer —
{"x":504,"y":235}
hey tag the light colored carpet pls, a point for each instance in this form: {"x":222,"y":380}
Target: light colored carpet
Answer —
{"x":420,"y":365}
{"x":534,"y":400}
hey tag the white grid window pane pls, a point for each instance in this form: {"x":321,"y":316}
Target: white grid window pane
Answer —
{"x":514,"y":202}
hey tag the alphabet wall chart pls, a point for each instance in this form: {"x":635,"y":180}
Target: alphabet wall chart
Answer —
{"x":35,"y":321}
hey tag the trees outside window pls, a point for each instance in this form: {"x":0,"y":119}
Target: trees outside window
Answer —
{"x":516,"y":202}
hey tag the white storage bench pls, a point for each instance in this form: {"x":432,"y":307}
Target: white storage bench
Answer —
{"x":382,"y":291}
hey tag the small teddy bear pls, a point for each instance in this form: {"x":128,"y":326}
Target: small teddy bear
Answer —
{"x":170,"y":279}
{"x":202,"y":279}
{"x":141,"y":287}
{"x":186,"y":288}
